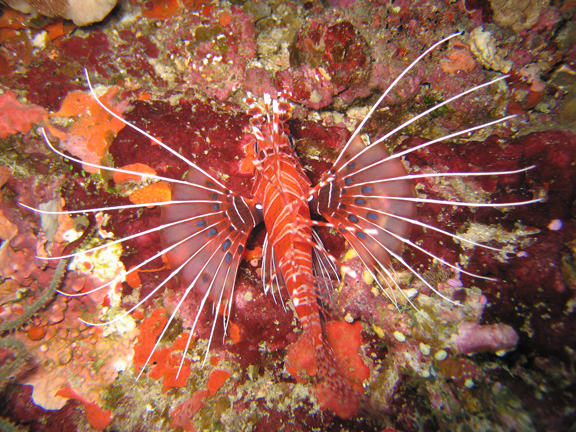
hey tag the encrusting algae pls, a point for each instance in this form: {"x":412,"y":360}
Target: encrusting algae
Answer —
{"x":92,"y":129}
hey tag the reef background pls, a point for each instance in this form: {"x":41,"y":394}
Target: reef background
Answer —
{"x":180,"y":70}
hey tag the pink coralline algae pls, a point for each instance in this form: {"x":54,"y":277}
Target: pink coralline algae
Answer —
{"x":342,"y":3}
{"x":63,"y":350}
{"x":475,"y":338}
{"x":183,"y":415}
{"x":66,"y":350}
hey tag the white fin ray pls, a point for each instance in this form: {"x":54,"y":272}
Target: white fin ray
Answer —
{"x":447,"y":233}
{"x":390,"y":88}
{"x":141,"y":302}
{"x":425,"y":113}
{"x":429,"y":143}
{"x":119,"y":207}
{"x":177,"y":308}
{"x":449,"y":174}
{"x":272,"y":280}
{"x":453,"y":203}
{"x":123,"y":239}
{"x":121,"y":170}
{"x":407,"y":241}
{"x":399,"y":259}
{"x":323,"y":261}
{"x":215,"y":308}
{"x":146,"y":134}
{"x":142,"y":264}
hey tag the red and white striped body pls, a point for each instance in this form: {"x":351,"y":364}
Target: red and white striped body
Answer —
{"x":283,"y":190}
{"x":280,"y":187}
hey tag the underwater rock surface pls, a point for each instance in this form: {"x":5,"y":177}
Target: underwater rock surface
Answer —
{"x":180,"y":69}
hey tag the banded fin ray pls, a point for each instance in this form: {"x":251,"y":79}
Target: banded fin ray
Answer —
{"x":272,"y":279}
{"x":323,"y":265}
{"x":325,"y":271}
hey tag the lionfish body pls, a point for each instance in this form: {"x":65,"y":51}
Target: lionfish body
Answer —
{"x":367,"y":196}
{"x":293,"y":254}
{"x":281,"y":187}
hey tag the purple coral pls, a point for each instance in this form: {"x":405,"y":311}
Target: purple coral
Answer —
{"x":474,"y":338}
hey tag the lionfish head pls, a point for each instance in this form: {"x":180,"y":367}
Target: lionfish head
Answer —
{"x":269,"y":117}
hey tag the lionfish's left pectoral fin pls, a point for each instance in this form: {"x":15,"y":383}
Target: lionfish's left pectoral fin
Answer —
{"x":367,"y":198}
{"x":207,"y":242}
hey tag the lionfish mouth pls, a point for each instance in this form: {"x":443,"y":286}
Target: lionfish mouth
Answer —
{"x":367,"y":196}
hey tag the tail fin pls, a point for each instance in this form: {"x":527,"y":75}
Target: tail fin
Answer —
{"x":334,"y":365}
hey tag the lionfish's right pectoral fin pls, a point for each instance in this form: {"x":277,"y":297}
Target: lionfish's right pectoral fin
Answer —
{"x":367,"y":199}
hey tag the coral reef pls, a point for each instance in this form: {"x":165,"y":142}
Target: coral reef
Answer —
{"x":50,"y":347}
{"x":326,"y":60}
{"x":501,"y":358}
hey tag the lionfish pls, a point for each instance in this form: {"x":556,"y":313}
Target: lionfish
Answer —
{"x":367,"y":196}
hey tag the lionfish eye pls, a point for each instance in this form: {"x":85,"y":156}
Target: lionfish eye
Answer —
{"x":283,"y":117}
